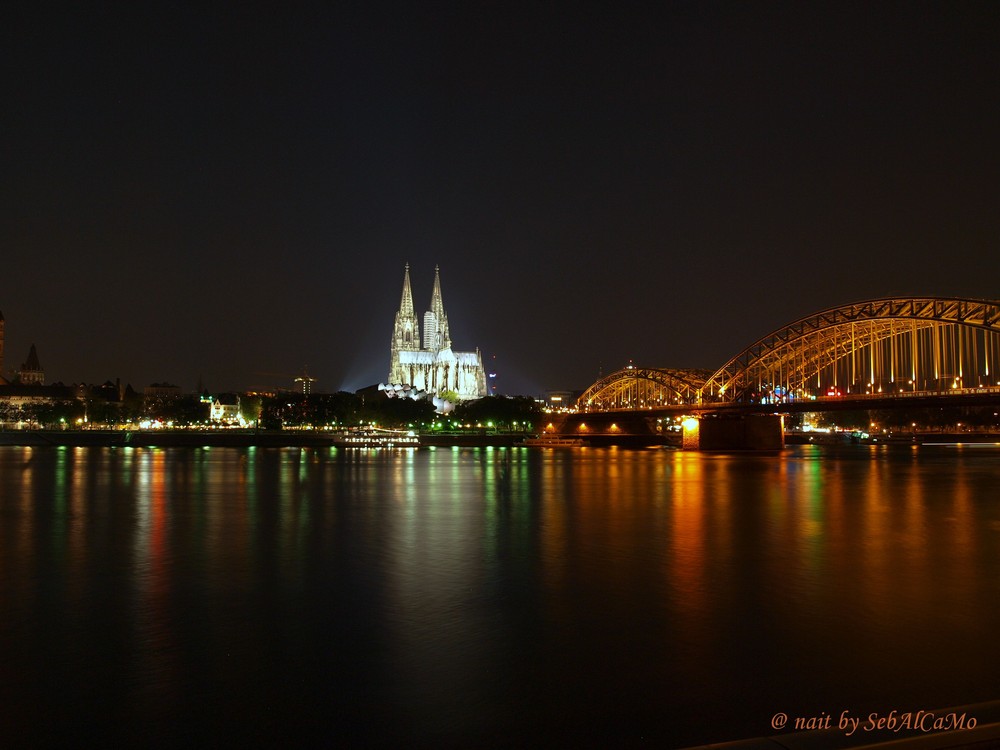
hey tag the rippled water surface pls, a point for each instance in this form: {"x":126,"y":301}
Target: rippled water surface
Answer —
{"x":488,"y":596}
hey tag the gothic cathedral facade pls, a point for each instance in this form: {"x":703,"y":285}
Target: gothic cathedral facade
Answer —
{"x":429,"y":364}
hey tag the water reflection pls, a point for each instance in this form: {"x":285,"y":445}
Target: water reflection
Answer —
{"x":489,"y":595}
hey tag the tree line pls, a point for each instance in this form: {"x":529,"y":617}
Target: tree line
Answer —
{"x":283,"y":411}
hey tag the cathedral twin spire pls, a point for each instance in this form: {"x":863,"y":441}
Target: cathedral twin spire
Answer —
{"x":406,"y":335}
{"x":428,"y":365}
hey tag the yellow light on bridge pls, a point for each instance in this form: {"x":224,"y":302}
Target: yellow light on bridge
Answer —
{"x":691,"y":434}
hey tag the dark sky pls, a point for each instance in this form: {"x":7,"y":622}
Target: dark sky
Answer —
{"x":232,"y":194}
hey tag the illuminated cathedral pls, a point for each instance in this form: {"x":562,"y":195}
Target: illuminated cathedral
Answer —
{"x":429,"y":364}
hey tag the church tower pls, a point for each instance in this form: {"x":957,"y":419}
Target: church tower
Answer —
{"x":406,"y":333}
{"x":31,"y":371}
{"x":437,"y":339}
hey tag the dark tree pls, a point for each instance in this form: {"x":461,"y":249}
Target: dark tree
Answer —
{"x":502,"y":411}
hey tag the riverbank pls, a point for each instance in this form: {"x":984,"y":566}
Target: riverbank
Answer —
{"x":160,"y":438}
{"x":227,"y":438}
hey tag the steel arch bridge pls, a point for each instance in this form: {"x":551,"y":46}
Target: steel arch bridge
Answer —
{"x":643,"y":388}
{"x":890,"y":345}
{"x":883,"y":347}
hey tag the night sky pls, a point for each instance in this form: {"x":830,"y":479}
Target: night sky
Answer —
{"x":225,"y":196}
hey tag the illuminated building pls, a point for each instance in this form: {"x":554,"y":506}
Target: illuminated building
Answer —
{"x":561,"y":400}
{"x":225,"y":408}
{"x":431,"y":365}
{"x":305,"y":381}
{"x":2,"y":323}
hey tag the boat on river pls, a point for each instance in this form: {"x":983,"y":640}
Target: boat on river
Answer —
{"x":553,"y":441}
{"x":376,"y":438}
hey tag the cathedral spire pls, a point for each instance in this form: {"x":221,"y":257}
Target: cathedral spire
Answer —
{"x":406,"y":334}
{"x":437,"y":306}
{"x":443,"y":338}
{"x":406,"y":304}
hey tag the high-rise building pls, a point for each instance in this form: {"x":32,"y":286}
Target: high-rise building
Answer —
{"x":305,"y":381}
{"x":431,"y":365}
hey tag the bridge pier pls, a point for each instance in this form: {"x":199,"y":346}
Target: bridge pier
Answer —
{"x":712,"y":432}
{"x":635,"y":429}
{"x":749,"y":432}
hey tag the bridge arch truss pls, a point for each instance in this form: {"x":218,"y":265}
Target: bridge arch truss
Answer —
{"x":643,"y":388}
{"x":882,"y":346}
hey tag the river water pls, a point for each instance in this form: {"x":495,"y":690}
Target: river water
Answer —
{"x":488,"y":597}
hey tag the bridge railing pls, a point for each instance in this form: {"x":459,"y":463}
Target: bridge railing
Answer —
{"x":925,"y":393}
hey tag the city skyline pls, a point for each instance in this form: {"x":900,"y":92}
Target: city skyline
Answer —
{"x":203,"y":195}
